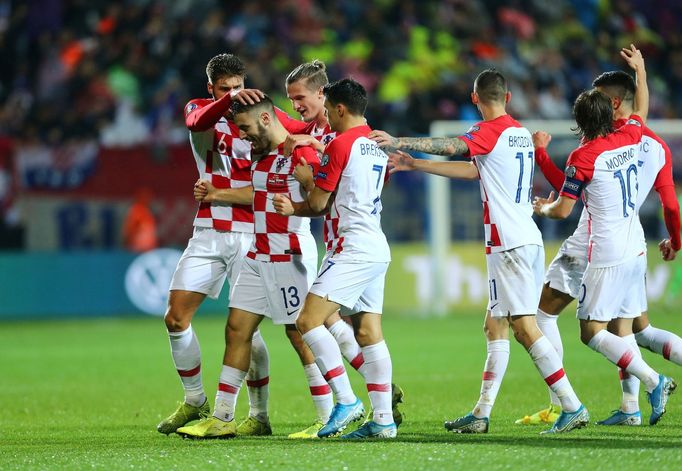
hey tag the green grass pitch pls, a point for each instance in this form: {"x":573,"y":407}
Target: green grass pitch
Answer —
{"x":88,"y":394}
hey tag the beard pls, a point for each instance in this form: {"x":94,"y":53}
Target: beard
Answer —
{"x":260,"y":144}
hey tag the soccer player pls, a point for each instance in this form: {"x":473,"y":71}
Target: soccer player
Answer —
{"x":352,"y":275}
{"x":563,"y":277}
{"x":501,"y":151}
{"x":304,"y":88}
{"x":279,"y":267}
{"x":604,"y":171}
{"x":222,"y":236}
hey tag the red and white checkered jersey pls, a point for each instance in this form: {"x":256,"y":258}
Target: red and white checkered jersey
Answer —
{"x":355,"y":167}
{"x":502,"y":150}
{"x":224,"y":160}
{"x":604,"y":170}
{"x":279,"y":237}
{"x":325,"y":136}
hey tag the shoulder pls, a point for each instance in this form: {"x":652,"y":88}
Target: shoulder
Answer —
{"x":196,"y":104}
{"x":307,"y":152}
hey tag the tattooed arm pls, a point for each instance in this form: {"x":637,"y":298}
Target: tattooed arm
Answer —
{"x":430,"y":145}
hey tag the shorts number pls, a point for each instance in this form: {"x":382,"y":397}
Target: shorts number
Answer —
{"x":492,"y":289}
{"x":293,"y":299}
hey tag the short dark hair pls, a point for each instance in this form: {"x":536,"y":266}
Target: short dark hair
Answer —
{"x":617,"y":83}
{"x":224,"y":65}
{"x":347,"y":92}
{"x":265,"y":104}
{"x":593,"y":114}
{"x":491,"y":86}
{"x":314,"y":73}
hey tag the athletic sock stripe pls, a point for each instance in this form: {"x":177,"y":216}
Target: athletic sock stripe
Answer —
{"x":192,"y":372}
{"x":320,"y":390}
{"x":667,"y":349}
{"x":258,"y":383}
{"x":358,"y":361}
{"x":378,"y":387}
{"x":489,"y":376}
{"x":625,"y":360}
{"x":228,"y":388}
{"x":334,"y":372}
{"x":554,"y":377}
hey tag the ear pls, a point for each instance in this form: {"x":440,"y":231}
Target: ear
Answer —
{"x":474,"y":98}
{"x":320,"y":92}
{"x":265,"y":118}
{"x":340,"y":110}
{"x":507,"y":97}
{"x":616,"y":101}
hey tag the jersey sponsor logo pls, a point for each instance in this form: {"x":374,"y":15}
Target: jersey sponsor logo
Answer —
{"x":571,"y":171}
{"x":473,"y":129}
{"x":321,"y":175}
{"x":633,"y":121}
{"x":190,"y":107}
{"x":277,"y":180}
{"x":494,"y":306}
{"x":325,"y":160}
{"x":468,"y":136}
{"x":327,"y":139}
{"x":292,"y":312}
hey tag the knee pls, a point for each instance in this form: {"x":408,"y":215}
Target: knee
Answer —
{"x":176,"y":320}
{"x":304,"y":324}
{"x":521,"y":336}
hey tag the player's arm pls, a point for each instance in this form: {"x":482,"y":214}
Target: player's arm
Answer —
{"x":298,"y":140}
{"x":205,"y":192}
{"x":633,"y":57}
{"x":431,"y":145}
{"x":665,"y":187}
{"x":317,"y":204}
{"x":399,"y":161}
{"x":551,"y":208}
{"x":203,"y":118}
{"x":552,"y":173}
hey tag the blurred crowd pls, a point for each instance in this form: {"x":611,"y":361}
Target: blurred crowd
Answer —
{"x":121,"y":71}
{"x":78,"y":74}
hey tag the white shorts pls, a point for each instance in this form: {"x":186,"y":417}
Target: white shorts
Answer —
{"x":356,"y":286}
{"x":211,"y":257}
{"x":613,"y":292}
{"x":515,"y":280}
{"x":565,"y":273}
{"x":274,"y":289}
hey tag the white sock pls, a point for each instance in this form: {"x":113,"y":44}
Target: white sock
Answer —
{"x":258,"y":378}
{"x":493,"y":372}
{"x":662,"y":342}
{"x":630,"y":383}
{"x":320,"y":391}
{"x":231,"y":380}
{"x":549,"y":365}
{"x":547,"y":323}
{"x":378,"y":373}
{"x":350,"y":349}
{"x":329,"y":361}
{"x":187,"y":358}
{"x":619,"y":352}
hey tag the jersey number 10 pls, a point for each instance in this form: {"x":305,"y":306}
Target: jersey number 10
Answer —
{"x":626,"y":187}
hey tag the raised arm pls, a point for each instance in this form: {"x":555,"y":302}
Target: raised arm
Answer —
{"x":552,"y":173}
{"x":401,"y":162}
{"x":633,"y":57}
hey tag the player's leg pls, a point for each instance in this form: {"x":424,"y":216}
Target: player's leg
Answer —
{"x":345,"y":337}
{"x":496,"y":331}
{"x":258,"y":387}
{"x":319,"y":389}
{"x":628,"y":413}
{"x":241,"y":326}
{"x":657,"y":340}
{"x":602,"y":295}
{"x":378,"y":367}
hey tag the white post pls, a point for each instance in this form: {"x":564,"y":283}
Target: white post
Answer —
{"x":438,"y":189}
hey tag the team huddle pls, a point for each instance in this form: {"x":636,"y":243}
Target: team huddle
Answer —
{"x":264,"y":174}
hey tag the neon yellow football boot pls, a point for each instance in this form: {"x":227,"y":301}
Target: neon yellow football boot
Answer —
{"x":545,"y":416}
{"x":397,"y":396}
{"x":253,"y":427}
{"x":209,"y":427}
{"x":184,"y":414}
{"x":308,"y":433}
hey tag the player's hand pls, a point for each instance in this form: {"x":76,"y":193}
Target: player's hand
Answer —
{"x":667,"y":252}
{"x":633,"y":57}
{"x":400,"y":161}
{"x":298,"y":140}
{"x":283,"y":205}
{"x":541,"y":139}
{"x":247,"y":96}
{"x":304,"y":175}
{"x":204,"y":191}
{"x":384,"y":140}
{"x":539,"y":203}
